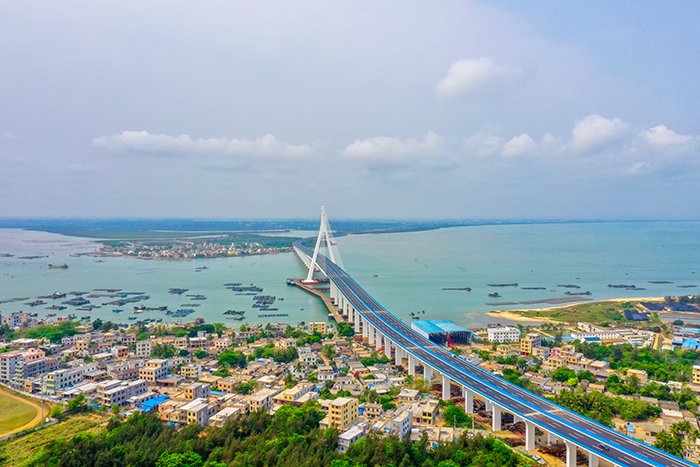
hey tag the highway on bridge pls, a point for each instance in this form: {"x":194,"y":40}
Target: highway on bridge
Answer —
{"x":590,"y":436}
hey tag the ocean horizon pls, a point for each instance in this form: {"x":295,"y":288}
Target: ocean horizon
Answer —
{"x":406,"y":272}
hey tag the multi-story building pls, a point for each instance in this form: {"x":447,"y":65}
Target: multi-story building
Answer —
{"x":191,"y":370}
{"x":30,"y":368}
{"x":154,"y":370}
{"x":8,"y":365}
{"x":542,"y":353}
{"x":291,"y":395}
{"x":59,"y":380}
{"x":696,"y":374}
{"x":504,"y":334}
{"x":320,"y":327}
{"x":342,"y":412}
{"x":529,"y":341}
{"x":119,"y":392}
{"x":262,"y":399}
{"x":197,"y":391}
{"x":143,"y":349}
{"x":198,"y":411}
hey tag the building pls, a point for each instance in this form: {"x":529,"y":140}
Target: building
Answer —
{"x":320,"y":327}
{"x":642,"y":375}
{"x":504,"y":334}
{"x":529,"y":341}
{"x":154,"y":370}
{"x":197,"y":391}
{"x":441,"y":331}
{"x":198,"y":411}
{"x":61,"y":379}
{"x":696,"y":374}
{"x":262,"y":399}
{"x":342,"y":412}
{"x":191,"y":370}
{"x":292,"y":395}
{"x":29,"y":369}
{"x":119,"y":392}
{"x":8,"y":365}
{"x":219,"y":419}
{"x":350,"y":437}
{"x":407,"y":396}
{"x":143,"y":349}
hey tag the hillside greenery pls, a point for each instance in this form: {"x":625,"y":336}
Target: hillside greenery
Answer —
{"x":291,"y":438}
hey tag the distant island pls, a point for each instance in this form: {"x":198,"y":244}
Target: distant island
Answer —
{"x":194,"y":247}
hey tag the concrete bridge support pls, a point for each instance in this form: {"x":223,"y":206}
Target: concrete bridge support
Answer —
{"x":496,"y":420}
{"x":551,"y":438}
{"x":371,"y":332}
{"x":468,"y":400}
{"x":570,"y":454}
{"x":427,"y":374}
{"x":398,"y":356}
{"x":529,"y":435}
{"x":365,"y":328}
{"x":592,"y":460}
{"x":412,"y":362}
{"x":446,"y":388}
{"x":387,"y":348}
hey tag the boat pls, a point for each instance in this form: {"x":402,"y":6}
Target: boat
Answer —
{"x":494,"y":295}
{"x":514,"y":284}
{"x":58,"y":266}
{"x":50,"y":315}
{"x":117,"y":310}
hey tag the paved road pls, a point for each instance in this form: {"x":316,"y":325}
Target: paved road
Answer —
{"x":622,"y":450}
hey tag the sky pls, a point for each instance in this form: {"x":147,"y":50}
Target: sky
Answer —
{"x":378,"y":110}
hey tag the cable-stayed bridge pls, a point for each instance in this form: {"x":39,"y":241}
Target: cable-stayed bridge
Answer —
{"x":409,"y":349}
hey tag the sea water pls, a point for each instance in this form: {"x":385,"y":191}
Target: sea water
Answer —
{"x":406,"y":272}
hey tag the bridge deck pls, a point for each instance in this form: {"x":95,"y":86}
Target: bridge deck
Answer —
{"x":326,"y":300}
{"x":621,"y":449}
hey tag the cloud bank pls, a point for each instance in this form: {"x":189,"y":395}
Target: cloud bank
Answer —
{"x":266,"y":147}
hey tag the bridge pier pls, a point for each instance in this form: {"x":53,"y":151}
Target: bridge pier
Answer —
{"x":592,"y":460}
{"x":468,"y":400}
{"x":446,"y":389}
{"x":365,"y":329}
{"x":356,"y":322}
{"x":570,"y":454}
{"x":370,"y":335}
{"x":387,"y":348}
{"x":488,"y":405}
{"x":427,"y":374}
{"x":551,"y":438}
{"x":529,"y":435}
{"x":496,"y":419}
{"x":397,"y":355}
{"x":412,"y":362}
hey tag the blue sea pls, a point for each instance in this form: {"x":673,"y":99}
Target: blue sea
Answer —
{"x":405,"y":272}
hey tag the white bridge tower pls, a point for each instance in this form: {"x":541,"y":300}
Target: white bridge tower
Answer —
{"x":325,"y":235}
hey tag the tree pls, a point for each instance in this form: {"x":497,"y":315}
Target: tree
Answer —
{"x":456,"y":416}
{"x":186,"y":459}
{"x":78,"y":404}
{"x":220,"y":328}
{"x":115,"y":409}
{"x":97,"y":324}
{"x":328,"y":351}
{"x":669,"y":443}
{"x":563,"y":374}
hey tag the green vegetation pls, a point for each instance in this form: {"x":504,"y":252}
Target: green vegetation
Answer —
{"x":14,"y":414}
{"x":661,"y":366}
{"x":167,"y":240}
{"x":602,"y":409}
{"x":455,"y":415}
{"x":279,"y":355}
{"x":53,"y":333}
{"x":291,"y":438}
{"x":591,"y":312}
{"x":678,"y":438}
{"x":20,"y":450}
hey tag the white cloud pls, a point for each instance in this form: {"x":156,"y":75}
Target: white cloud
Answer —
{"x":661,"y":137}
{"x":484,"y":143}
{"x":266,"y":147}
{"x":385,"y":151}
{"x":470,"y":75}
{"x":518,"y":146}
{"x":7,"y":135}
{"x":594,"y":132}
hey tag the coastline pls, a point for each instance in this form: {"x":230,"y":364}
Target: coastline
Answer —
{"x":514,"y":315}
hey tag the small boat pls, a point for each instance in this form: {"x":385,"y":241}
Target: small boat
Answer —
{"x":58,"y":266}
{"x":494,"y":295}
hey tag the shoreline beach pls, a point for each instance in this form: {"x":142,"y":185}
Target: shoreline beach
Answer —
{"x":514,"y":316}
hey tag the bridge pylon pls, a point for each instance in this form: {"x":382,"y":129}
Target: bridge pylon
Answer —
{"x":325,"y":235}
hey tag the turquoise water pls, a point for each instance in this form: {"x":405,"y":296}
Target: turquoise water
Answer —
{"x":405,"y":272}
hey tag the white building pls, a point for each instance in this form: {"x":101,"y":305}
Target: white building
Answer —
{"x":504,"y":334}
{"x":143,"y":348}
{"x":119,"y":392}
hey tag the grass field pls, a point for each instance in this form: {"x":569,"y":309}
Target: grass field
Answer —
{"x":14,"y":414}
{"x":17,"y":452}
{"x":594,"y":312}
